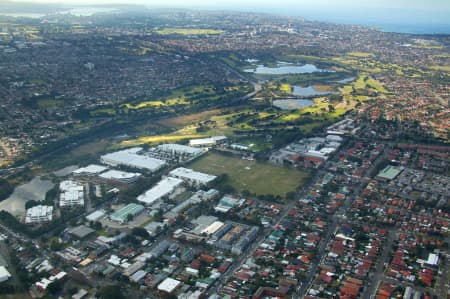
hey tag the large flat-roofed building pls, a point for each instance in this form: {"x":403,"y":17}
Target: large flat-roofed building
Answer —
{"x":192,"y":177}
{"x":389,"y":173}
{"x":72,"y":194}
{"x":121,"y":176}
{"x":179,"y":149}
{"x":39,"y":214}
{"x":131,"y":158}
{"x":4,"y":274}
{"x":163,"y":188}
{"x":121,"y":215}
{"x":95,"y":216}
{"x":169,"y":285}
{"x":81,"y":232}
{"x":227,"y":203}
{"x":205,"y":142}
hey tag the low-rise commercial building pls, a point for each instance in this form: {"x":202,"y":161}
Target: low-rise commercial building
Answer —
{"x":205,"y":142}
{"x":39,"y":214}
{"x":192,"y":177}
{"x":163,"y":188}
{"x":120,"y":176}
{"x":132,"y":158}
{"x":124,"y":214}
{"x":72,"y":194}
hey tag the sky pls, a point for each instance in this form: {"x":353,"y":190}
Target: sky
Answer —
{"x":411,"y":4}
{"x":411,"y":13}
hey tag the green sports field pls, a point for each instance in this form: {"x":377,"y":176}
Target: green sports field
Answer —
{"x":256,"y":177}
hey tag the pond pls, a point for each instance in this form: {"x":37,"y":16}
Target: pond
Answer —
{"x":35,"y":189}
{"x":284,"y":68}
{"x":292,"y":104}
{"x":346,"y":80}
{"x":307,"y":91}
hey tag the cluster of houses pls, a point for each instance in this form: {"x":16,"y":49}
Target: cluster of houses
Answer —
{"x":308,"y":152}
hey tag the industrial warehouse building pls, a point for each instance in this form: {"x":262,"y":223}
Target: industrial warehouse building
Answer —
{"x":121,"y":215}
{"x":131,"y":158}
{"x":4,"y":274}
{"x":192,"y":177}
{"x":120,"y":176}
{"x":205,"y":142}
{"x":179,"y":149}
{"x":165,"y":187}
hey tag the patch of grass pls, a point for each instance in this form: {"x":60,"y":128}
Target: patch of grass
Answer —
{"x":159,"y":139}
{"x":91,"y":148}
{"x":103,"y":112}
{"x":256,"y":177}
{"x":360,"y":54}
{"x":49,"y":103}
{"x":187,"y":119}
{"x":286,"y":88}
{"x":188,"y":31}
{"x":444,"y":68}
{"x":146,"y":104}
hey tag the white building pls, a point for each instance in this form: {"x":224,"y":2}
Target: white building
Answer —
{"x":204,"y":142}
{"x":179,"y":149}
{"x":163,"y":188}
{"x":72,"y":194}
{"x":169,"y":285}
{"x":4,"y":274}
{"x":120,"y":176}
{"x":192,"y":177}
{"x":95,"y":216}
{"x":131,"y":158}
{"x":39,"y":214}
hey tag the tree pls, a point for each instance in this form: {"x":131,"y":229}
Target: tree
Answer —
{"x":110,"y":292}
{"x":31,"y":203}
{"x":140,"y":232}
{"x":331,"y":108}
{"x":130,"y":217}
{"x":290,"y":195}
{"x":5,"y":189}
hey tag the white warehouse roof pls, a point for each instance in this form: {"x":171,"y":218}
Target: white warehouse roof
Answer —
{"x":164,"y":187}
{"x":120,"y":175}
{"x":179,"y":149}
{"x":168,"y":285}
{"x":129,"y":157}
{"x":206,"y":141}
{"x":192,"y":175}
{"x":4,"y":274}
{"x":96,"y":215}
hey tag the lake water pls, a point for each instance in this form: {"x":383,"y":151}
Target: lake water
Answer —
{"x":292,"y":104}
{"x":346,"y":80}
{"x":285,"y":69}
{"x":35,"y":189}
{"x":307,"y":91}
